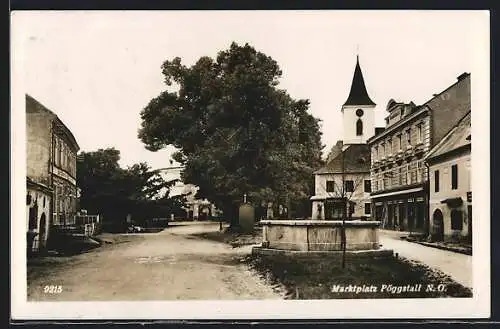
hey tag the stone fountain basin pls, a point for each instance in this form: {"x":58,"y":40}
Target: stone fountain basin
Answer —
{"x":319,"y":235}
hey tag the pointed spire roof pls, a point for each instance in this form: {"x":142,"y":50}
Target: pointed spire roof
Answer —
{"x":358,"y":94}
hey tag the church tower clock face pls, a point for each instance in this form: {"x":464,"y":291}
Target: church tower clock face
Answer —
{"x":359,"y":112}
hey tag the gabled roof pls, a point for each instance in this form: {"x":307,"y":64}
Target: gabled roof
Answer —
{"x":33,"y":106}
{"x":457,"y":137}
{"x":358,"y":94}
{"x":355,"y":158}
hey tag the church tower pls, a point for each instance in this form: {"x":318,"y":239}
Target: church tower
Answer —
{"x":358,"y":111}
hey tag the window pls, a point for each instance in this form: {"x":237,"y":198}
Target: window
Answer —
{"x":375,"y":153}
{"x":367,"y":208}
{"x":419,"y":133}
{"x":400,"y":145}
{"x":349,"y":186}
{"x":436,"y":181}
{"x":368,"y":186}
{"x":389,"y":145}
{"x":351,"y":209}
{"x":330,"y":186}
{"x":359,"y":127}
{"x":454,"y":177}
{"x":382,"y":150}
{"x":395,"y":177}
{"x":408,"y":137}
{"x":58,"y":152}
{"x":419,"y":171}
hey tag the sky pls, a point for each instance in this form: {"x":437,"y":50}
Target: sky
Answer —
{"x":98,"y":70}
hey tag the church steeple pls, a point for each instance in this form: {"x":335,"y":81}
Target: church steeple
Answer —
{"x":358,"y":94}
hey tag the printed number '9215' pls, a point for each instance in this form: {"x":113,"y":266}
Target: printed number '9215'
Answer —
{"x":52,"y":289}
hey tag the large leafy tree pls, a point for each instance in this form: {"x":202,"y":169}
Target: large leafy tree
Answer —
{"x":114,"y":192}
{"x":236,"y":131}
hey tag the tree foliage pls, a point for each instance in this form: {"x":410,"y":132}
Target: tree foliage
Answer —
{"x":115,"y":192}
{"x":236,"y":131}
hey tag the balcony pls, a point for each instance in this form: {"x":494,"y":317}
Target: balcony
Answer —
{"x":419,"y":148}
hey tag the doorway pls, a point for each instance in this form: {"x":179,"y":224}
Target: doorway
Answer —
{"x":43,"y":232}
{"x":437,"y":221}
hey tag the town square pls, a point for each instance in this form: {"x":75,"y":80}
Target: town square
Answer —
{"x":297,"y":157}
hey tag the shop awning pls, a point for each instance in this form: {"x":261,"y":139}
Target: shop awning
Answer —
{"x":453,"y":202}
{"x":413,"y":190}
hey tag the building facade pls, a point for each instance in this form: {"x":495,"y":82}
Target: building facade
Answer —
{"x":450,"y":194}
{"x":398,"y":173}
{"x":400,"y":181}
{"x":51,"y":171}
{"x":342,"y":186}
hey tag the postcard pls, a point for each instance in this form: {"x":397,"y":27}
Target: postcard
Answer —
{"x":250,"y":165}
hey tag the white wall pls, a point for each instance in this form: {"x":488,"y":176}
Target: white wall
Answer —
{"x":349,"y":118}
{"x":445,"y":191}
{"x":358,"y":196}
{"x":43,"y":208}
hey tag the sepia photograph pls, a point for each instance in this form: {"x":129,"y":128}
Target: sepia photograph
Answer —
{"x":250,"y":164}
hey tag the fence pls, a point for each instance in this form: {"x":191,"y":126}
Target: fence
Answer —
{"x":86,"y":219}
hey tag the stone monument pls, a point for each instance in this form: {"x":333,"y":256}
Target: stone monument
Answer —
{"x":246,"y":216}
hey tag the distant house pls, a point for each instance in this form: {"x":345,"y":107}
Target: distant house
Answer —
{"x":344,"y":179}
{"x":450,"y":193}
{"x":196,"y":209}
{"x":51,"y":172}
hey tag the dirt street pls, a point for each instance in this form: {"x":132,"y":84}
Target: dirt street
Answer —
{"x":169,"y":265}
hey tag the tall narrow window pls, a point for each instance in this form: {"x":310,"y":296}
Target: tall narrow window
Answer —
{"x":349,"y":186}
{"x":436,"y":181}
{"x":419,"y":133}
{"x":389,"y":145}
{"x":330,"y":186}
{"x":400,"y":145}
{"x":368,"y":186}
{"x":359,"y":127}
{"x":367,"y":208}
{"x":408,"y":137}
{"x":454,"y":177}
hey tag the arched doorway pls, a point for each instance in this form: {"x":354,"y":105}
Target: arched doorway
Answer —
{"x":437,"y":221}
{"x":205,"y":212}
{"x":43,"y":232}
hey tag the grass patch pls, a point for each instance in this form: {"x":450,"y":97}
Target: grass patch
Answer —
{"x":235,"y":239}
{"x":307,"y":278}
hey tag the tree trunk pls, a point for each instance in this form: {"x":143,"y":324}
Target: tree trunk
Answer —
{"x":231,"y":215}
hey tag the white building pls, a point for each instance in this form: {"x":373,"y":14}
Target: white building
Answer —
{"x":450,"y":194}
{"x":345,"y":179}
{"x":195,"y":208}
